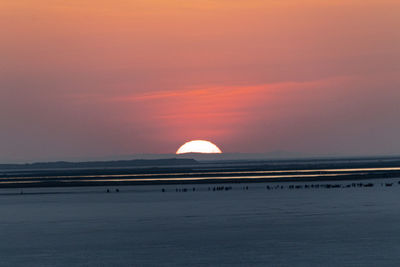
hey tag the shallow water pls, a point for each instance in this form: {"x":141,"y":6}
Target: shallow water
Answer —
{"x":196,"y":176}
{"x":143,"y":226}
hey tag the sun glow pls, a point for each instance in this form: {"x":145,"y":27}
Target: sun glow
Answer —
{"x":198,"y":146}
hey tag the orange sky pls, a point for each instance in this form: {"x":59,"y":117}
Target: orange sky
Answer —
{"x":99,"y":78}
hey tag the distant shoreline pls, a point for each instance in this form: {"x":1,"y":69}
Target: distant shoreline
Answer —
{"x":97,"y":164}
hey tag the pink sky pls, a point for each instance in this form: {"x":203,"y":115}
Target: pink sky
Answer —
{"x":85,"y":79}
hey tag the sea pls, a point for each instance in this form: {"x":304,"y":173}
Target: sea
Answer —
{"x":246,"y":224}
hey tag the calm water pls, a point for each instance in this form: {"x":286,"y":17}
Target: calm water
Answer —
{"x":190,"y":176}
{"x":141,"y":226}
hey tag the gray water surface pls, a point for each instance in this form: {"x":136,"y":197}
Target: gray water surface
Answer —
{"x":142,"y":226}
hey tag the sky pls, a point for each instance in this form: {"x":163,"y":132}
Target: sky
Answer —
{"x":86,"y":79}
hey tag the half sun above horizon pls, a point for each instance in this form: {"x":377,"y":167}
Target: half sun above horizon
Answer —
{"x":198,"y":146}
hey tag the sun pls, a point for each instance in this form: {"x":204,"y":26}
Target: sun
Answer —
{"x":198,"y":146}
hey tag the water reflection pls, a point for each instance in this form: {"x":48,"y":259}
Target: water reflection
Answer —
{"x":211,"y":174}
{"x":186,"y":178}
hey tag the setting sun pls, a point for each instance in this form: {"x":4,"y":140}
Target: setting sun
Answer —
{"x":198,"y":146}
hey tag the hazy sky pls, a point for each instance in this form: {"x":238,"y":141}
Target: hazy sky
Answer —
{"x":113,"y":77}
